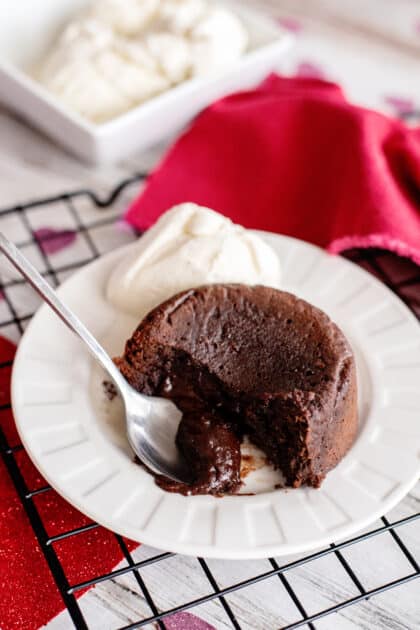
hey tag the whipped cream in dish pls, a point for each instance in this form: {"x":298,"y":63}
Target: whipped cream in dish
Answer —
{"x":187,"y":247}
{"x":117,"y":54}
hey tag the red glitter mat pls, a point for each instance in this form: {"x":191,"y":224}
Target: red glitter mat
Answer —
{"x":29,"y":595}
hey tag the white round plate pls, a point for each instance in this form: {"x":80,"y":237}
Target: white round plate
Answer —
{"x":76,"y":438}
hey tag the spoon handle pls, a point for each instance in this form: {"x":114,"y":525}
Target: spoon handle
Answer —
{"x":42,"y":287}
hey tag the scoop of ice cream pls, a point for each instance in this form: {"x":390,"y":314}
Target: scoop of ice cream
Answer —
{"x":136,"y":82}
{"x":119,"y":53}
{"x":99,"y":74}
{"x":180,"y":16}
{"x":187,"y":247}
{"x":218,"y":40}
{"x":216,"y":36}
{"x":127,"y":17}
{"x":80,"y":39}
{"x":172,"y":54}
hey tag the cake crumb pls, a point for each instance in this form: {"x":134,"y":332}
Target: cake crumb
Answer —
{"x":248,"y":465}
{"x":251,"y":463}
{"x":110,"y":390}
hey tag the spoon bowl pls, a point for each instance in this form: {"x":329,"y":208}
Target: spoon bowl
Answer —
{"x":152,"y":424}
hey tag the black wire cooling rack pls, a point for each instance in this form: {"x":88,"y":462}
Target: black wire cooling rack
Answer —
{"x":91,"y":215}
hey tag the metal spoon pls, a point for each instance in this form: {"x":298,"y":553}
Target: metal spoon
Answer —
{"x":151,"y":422}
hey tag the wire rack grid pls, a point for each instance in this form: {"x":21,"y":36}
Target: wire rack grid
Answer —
{"x":93,"y":219}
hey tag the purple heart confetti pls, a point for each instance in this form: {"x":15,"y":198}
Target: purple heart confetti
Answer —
{"x":401,"y":105}
{"x":52,"y":241}
{"x":186,"y":621}
{"x":309,"y":70}
{"x":290,"y":24}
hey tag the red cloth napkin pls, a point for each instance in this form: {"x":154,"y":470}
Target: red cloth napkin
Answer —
{"x":293,"y":156}
{"x":29,"y":597}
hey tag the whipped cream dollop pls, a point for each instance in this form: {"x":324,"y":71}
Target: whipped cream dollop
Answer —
{"x":117,"y":54}
{"x":189,"y":246}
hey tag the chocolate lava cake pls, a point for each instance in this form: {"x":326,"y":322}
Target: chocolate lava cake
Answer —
{"x":241,"y":360}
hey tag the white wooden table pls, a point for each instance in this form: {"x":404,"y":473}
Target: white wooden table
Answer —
{"x":372,"y":47}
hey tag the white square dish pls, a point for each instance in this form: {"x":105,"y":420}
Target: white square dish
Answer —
{"x":25,"y":35}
